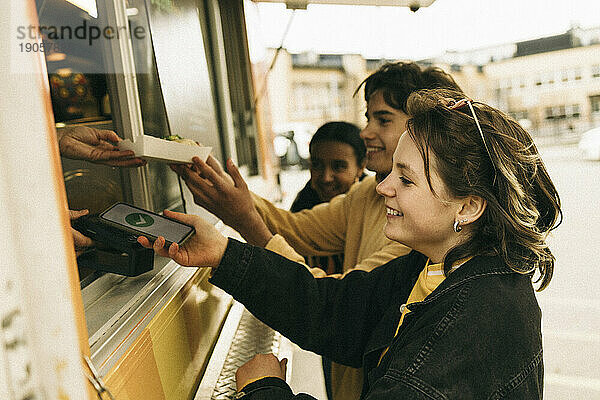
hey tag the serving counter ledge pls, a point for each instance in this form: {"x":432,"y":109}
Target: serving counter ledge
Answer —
{"x":241,"y":338}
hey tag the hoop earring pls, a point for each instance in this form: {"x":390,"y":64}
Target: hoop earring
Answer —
{"x":457,"y":228}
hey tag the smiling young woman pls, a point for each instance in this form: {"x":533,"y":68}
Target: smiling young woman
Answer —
{"x":456,"y":317}
{"x":481,"y":153}
{"x":417,"y":216}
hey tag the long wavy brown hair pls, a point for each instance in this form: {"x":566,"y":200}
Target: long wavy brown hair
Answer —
{"x":502,"y":165}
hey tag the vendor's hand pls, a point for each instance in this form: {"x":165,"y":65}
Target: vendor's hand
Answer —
{"x":81,"y":241}
{"x":204,"y":249}
{"x":95,"y":145}
{"x":226,"y":196}
{"x":262,"y":365}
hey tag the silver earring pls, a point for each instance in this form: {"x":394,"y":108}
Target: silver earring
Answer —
{"x":457,"y":228}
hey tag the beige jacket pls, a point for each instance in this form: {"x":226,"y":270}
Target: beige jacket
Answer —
{"x":350,"y":223}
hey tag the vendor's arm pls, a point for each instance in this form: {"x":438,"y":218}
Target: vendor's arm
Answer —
{"x":95,"y":145}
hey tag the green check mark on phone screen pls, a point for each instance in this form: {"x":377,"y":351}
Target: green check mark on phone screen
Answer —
{"x":139,"y":220}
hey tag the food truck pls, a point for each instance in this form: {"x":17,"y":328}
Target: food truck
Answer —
{"x":141,"y":68}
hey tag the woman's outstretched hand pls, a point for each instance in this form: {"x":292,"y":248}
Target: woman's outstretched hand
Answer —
{"x":204,"y":249}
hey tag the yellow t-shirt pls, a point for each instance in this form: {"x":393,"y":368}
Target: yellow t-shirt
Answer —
{"x":429,"y":279}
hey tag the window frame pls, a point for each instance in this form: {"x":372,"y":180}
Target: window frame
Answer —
{"x":113,"y":338}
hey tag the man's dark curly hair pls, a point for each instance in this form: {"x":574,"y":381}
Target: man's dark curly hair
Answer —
{"x":399,"y":79}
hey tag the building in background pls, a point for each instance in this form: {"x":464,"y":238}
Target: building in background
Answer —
{"x":315,"y":88}
{"x":551,"y":84}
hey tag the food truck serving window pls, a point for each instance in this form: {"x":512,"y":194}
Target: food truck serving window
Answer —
{"x":90,"y":62}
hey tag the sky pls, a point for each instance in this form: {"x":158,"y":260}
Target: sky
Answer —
{"x":398,"y":33}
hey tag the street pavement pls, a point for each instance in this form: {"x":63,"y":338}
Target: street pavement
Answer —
{"x":571,"y":304}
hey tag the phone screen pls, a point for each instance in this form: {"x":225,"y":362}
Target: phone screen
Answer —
{"x":147,"y":223}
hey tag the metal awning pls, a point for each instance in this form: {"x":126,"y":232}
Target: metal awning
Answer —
{"x":301,"y":4}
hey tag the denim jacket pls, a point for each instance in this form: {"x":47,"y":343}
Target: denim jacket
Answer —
{"x":477,"y":336}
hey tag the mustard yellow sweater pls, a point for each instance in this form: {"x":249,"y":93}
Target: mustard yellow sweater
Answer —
{"x":350,"y":223}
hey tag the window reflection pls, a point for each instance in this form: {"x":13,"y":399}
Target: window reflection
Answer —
{"x":80,"y":95}
{"x":164,"y":186}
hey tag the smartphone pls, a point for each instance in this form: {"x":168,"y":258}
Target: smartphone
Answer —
{"x":146,"y":223}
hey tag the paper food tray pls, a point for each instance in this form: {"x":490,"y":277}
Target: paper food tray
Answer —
{"x":151,"y":148}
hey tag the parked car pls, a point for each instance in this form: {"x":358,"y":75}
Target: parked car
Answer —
{"x":589,"y":144}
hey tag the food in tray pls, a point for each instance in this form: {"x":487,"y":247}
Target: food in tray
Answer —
{"x":172,"y":149}
{"x":182,"y":140}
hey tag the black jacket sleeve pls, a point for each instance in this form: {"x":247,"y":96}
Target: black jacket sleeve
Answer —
{"x":269,"y":389}
{"x":276,"y":389}
{"x":331,"y":317}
